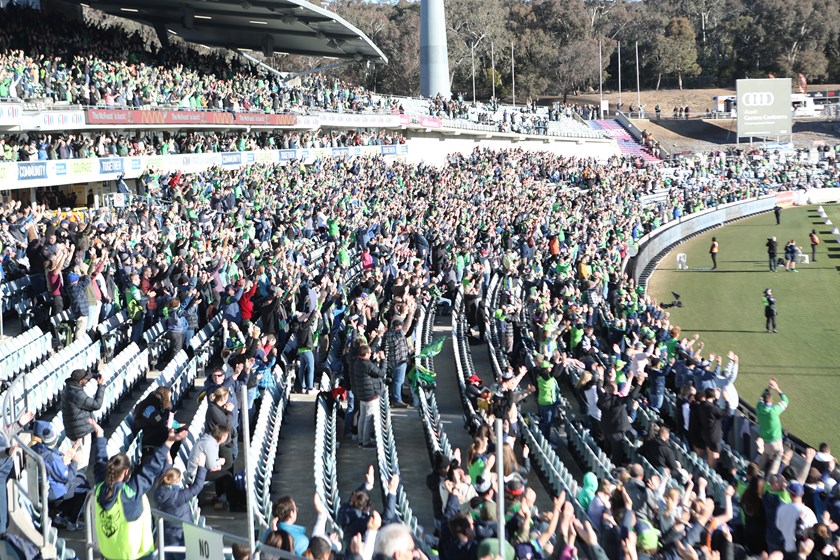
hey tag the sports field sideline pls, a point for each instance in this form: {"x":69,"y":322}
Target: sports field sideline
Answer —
{"x":725,"y":307}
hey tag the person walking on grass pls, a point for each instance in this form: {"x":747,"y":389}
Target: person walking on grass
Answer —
{"x":713,"y":251}
{"x":769,"y":310}
{"x":815,"y":240}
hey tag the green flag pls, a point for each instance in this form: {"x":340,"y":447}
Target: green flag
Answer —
{"x":421,"y":376}
{"x":433,"y":348}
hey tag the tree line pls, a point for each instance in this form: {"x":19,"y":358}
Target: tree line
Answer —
{"x":555,"y":43}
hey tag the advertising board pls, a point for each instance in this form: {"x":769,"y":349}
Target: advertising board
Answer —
{"x":764,"y":107}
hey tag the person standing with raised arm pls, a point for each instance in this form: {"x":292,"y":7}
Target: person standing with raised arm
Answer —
{"x":770,"y":426}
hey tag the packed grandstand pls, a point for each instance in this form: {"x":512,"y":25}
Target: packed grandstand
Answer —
{"x":166,"y":322}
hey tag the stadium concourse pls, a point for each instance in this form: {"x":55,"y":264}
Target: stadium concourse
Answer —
{"x":311,"y":353}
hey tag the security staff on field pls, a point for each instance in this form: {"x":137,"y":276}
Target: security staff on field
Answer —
{"x":770,"y":310}
{"x":713,"y":251}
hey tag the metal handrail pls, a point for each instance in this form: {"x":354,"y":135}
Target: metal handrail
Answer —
{"x":6,"y":411}
{"x":43,"y":486}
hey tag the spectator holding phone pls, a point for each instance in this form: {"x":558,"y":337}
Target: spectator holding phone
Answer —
{"x":77,"y":408}
{"x":154,"y":417}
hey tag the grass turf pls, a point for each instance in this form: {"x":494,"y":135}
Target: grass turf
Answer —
{"x":725,"y":307}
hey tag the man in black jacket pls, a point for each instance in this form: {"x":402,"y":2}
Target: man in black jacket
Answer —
{"x":710,"y":416}
{"x":658,"y":451}
{"x":615,"y":420}
{"x":77,"y":409}
{"x":368,"y":381}
{"x":772,"y":248}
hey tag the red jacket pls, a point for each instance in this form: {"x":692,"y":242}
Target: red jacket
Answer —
{"x":246,"y":306}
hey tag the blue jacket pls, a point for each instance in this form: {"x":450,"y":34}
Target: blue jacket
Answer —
{"x":230,"y":307}
{"x":175,"y":322}
{"x":175,"y":501}
{"x":58,"y":474}
{"x":298,"y":532}
{"x":705,"y":378}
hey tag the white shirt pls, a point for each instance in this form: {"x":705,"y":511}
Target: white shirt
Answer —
{"x":786,"y":518}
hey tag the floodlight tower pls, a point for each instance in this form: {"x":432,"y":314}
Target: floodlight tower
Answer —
{"x":434,"y":56}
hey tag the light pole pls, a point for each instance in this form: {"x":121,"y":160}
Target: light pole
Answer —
{"x":512,"y":74}
{"x":619,"y":72}
{"x":638,"y":89}
{"x":472,"y":57}
{"x":493,"y":69}
{"x":600,"y":81}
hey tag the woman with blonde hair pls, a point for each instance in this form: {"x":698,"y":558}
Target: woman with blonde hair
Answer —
{"x":477,"y":457}
{"x":511,"y":465}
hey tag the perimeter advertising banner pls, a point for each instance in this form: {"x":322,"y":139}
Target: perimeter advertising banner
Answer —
{"x":764,"y":107}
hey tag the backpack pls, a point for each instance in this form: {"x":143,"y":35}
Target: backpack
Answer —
{"x":135,"y":311}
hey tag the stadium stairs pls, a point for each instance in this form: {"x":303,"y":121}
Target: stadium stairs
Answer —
{"x":626,"y":143}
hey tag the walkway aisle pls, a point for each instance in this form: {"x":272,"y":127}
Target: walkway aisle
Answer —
{"x":414,"y":464}
{"x":353,"y":463}
{"x":447,"y":393}
{"x":484,"y":369}
{"x":293,"y":474}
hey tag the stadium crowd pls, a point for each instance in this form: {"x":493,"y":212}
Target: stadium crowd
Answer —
{"x":32,"y":147}
{"x":243,"y":243}
{"x":48,"y":57}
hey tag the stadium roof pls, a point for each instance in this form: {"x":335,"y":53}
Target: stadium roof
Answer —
{"x":284,"y":26}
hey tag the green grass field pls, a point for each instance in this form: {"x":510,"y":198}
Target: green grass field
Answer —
{"x":725,"y":307}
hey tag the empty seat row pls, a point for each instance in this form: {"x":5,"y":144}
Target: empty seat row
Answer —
{"x":263,"y":449}
{"x":324,"y":464}
{"x":114,"y":333}
{"x":24,"y":352}
{"x":546,"y":460}
{"x":388,"y":461}
{"x":39,"y":388}
{"x":13,"y":292}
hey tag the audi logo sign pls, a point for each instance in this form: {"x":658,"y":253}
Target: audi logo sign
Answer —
{"x":758,"y":99}
{"x":764,"y":107}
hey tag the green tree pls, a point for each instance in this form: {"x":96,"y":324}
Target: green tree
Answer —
{"x":676,"y":51}
{"x":471,"y":26}
{"x":576,"y":66}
